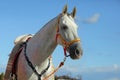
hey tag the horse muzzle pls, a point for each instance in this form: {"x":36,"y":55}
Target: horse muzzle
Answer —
{"x":75,"y":50}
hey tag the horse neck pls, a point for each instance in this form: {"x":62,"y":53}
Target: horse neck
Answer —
{"x":41,"y":46}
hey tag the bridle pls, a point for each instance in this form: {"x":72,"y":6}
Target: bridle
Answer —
{"x":64,"y":42}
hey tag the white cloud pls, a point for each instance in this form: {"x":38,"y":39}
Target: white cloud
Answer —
{"x":112,"y":68}
{"x":71,"y":69}
{"x":115,"y":78}
{"x":79,"y":69}
{"x":92,"y":19}
{"x":115,"y":66}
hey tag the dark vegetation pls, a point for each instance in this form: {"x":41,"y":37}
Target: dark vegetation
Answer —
{"x":65,"y":77}
{"x":1,"y":76}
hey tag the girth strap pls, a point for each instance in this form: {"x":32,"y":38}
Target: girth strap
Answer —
{"x":14,"y":65}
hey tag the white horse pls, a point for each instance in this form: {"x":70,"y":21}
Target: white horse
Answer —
{"x":34,"y":62}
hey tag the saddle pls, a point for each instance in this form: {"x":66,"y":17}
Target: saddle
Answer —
{"x":13,"y":57}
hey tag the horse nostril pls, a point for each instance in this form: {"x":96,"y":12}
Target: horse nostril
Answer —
{"x":77,"y":52}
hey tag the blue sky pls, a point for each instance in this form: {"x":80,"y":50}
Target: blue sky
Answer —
{"x":99,"y":30}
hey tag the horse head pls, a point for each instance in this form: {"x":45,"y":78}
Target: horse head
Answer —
{"x":67,"y":34}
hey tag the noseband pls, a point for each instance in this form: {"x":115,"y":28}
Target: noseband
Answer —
{"x":64,"y":42}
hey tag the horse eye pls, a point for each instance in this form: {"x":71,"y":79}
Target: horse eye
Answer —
{"x":64,"y":27}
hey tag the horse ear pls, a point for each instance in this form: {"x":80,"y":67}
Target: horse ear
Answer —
{"x":73,"y":12}
{"x":65,"y":10}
